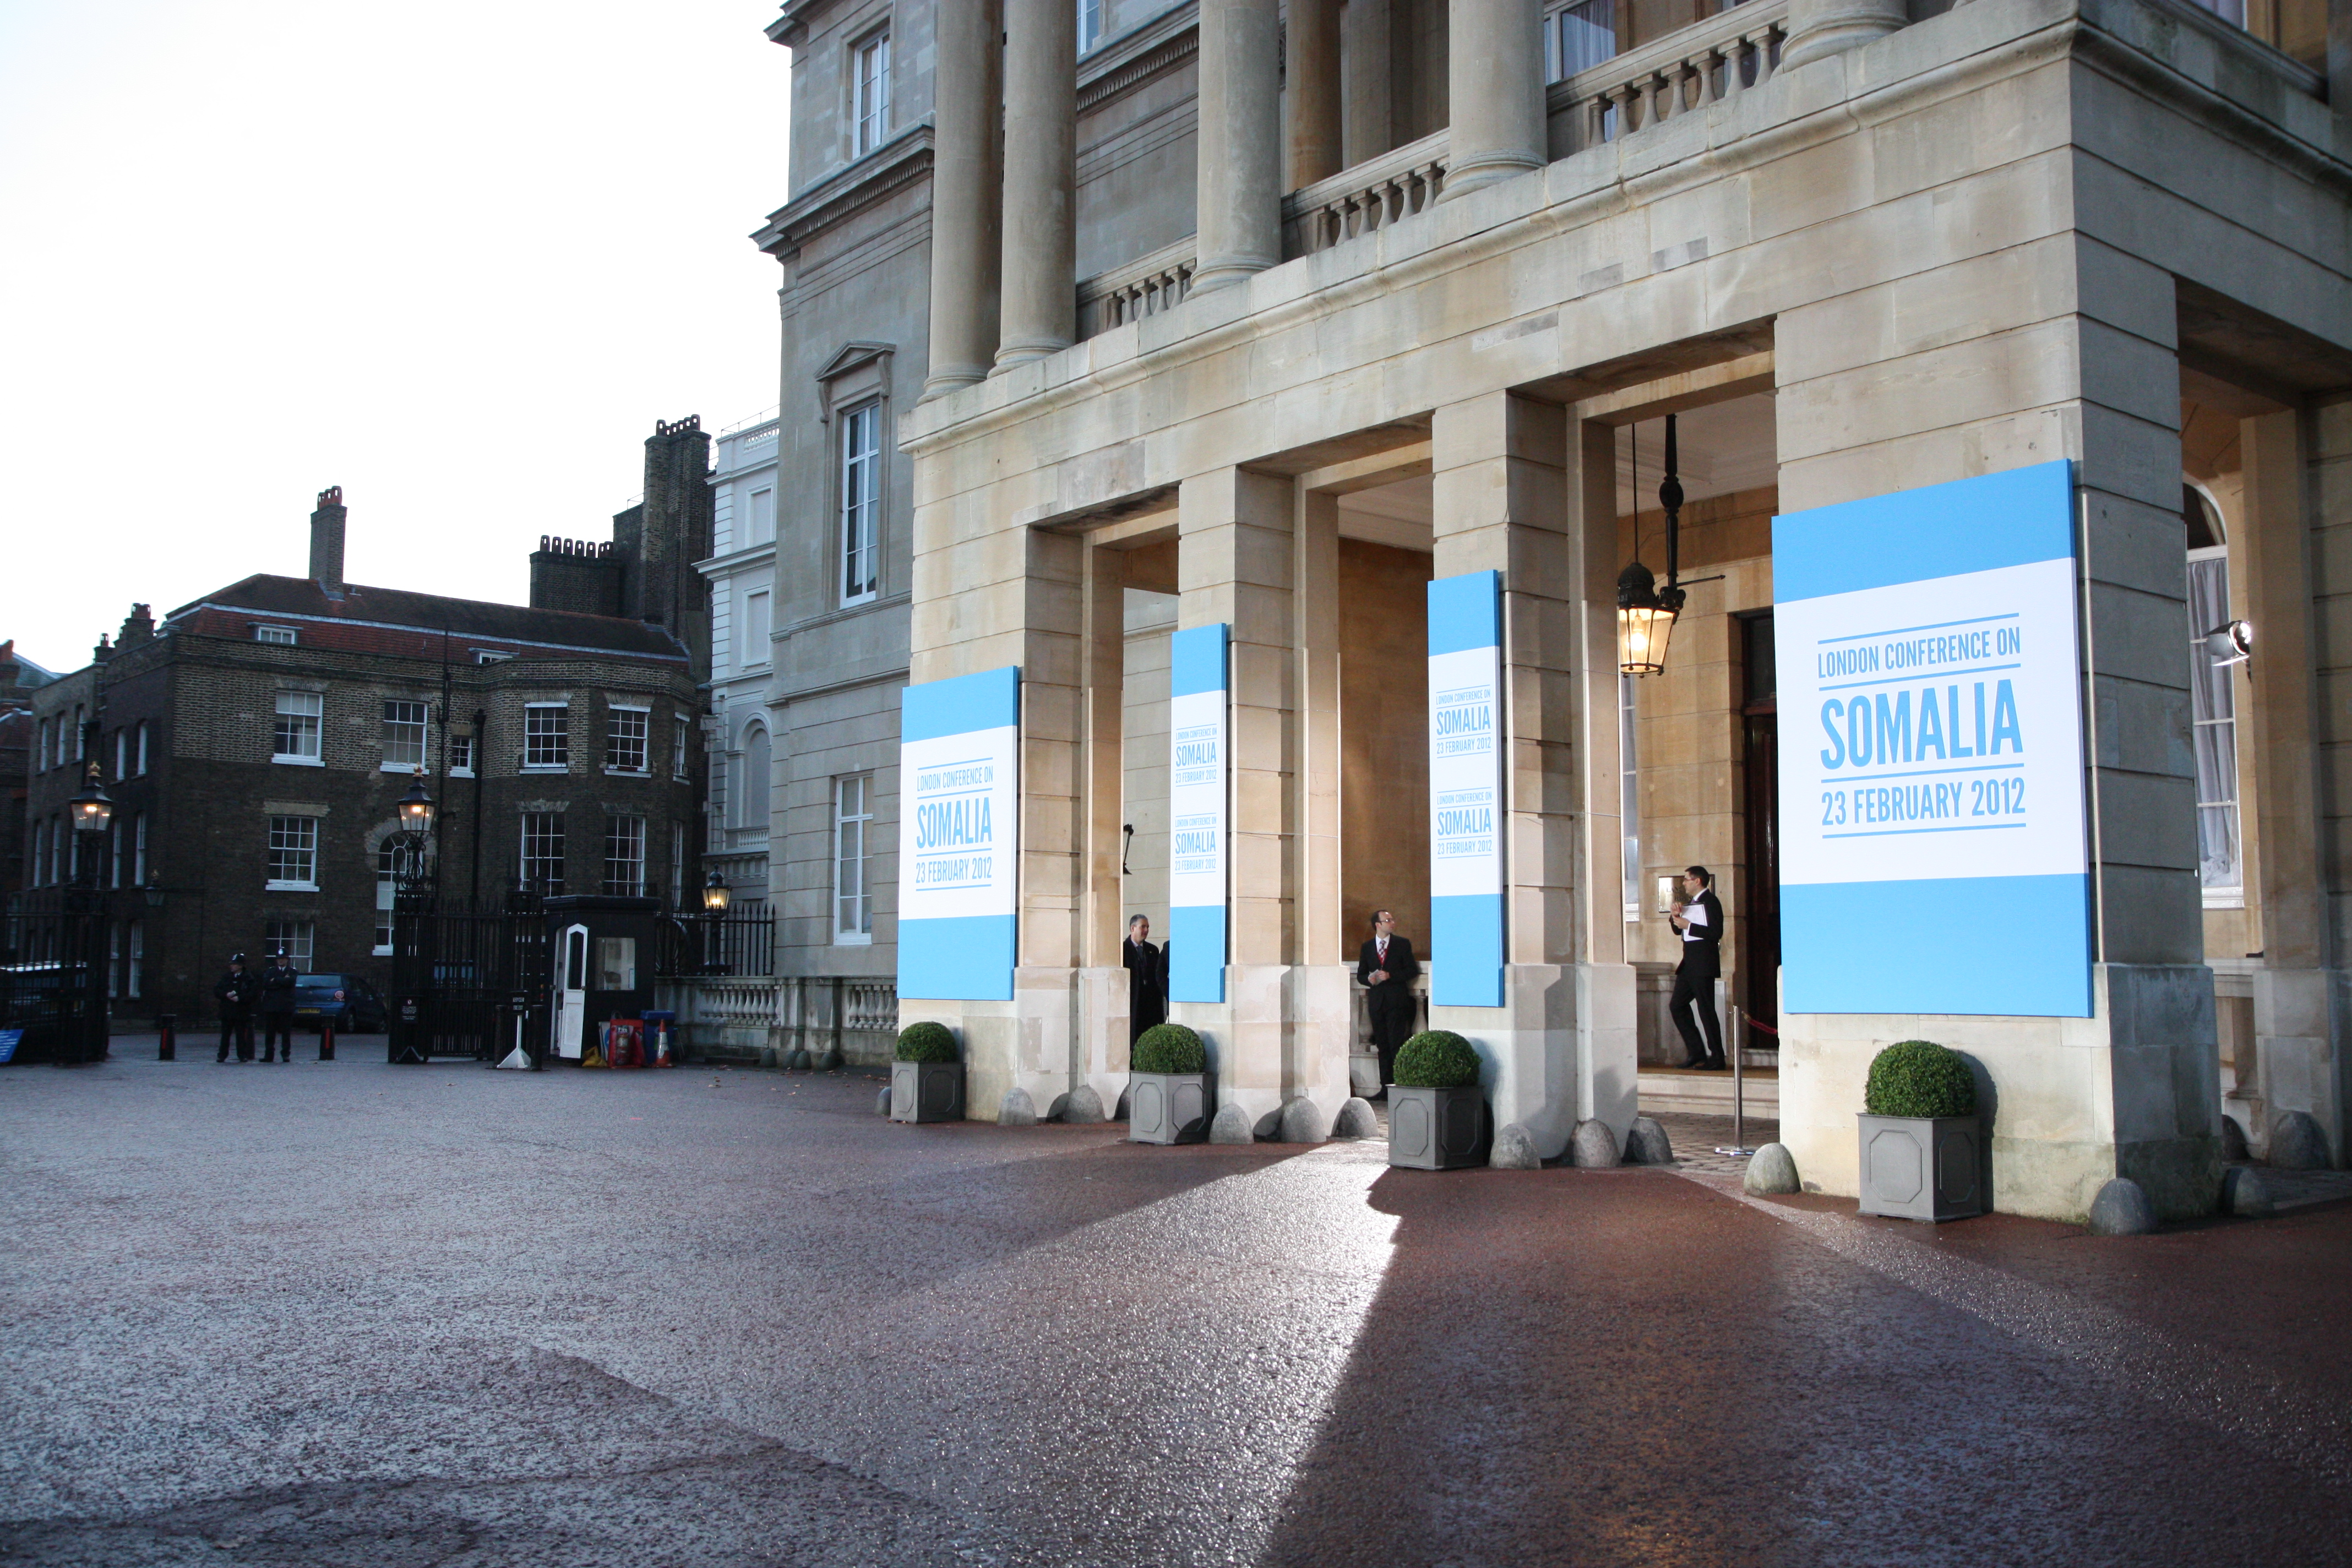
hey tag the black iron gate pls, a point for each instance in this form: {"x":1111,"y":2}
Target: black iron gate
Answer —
{"x":468,"y":980}
{"x":53,"y":967}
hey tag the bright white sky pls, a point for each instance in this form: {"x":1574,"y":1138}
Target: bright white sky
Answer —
{"x":455,"y":256}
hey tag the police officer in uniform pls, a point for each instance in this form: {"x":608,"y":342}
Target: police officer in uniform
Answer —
{"x":236,"y":992}
{"x":277,"y":1007}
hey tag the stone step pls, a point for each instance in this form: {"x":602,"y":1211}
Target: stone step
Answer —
{"x":1681,"y":1092}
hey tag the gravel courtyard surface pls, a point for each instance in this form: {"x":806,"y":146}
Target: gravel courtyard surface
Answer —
{"x":351,"y":1313}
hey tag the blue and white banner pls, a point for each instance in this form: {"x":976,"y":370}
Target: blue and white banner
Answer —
{"x":959,"y":816}
{"x":1197,"y":790}
{"x":1933,"y":852}
{"x":1465,"y":791}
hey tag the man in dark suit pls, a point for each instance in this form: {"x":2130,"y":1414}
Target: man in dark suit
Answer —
{"x":1146,"y":980}
{"x":236,"y":992}
{"x":1385,"y":968}
{"x":1699,"y":919}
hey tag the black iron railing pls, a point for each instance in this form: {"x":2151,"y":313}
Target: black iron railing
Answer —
{"x":741,"y":943}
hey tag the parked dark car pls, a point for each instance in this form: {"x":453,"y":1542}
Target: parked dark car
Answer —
{"x":347,"y":1001}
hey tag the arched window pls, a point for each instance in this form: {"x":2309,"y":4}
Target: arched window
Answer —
{"x":751,"y":792}
{"x":2213,"y":701}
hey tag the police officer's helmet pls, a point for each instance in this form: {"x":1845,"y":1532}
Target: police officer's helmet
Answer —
{"x":236,"y":958}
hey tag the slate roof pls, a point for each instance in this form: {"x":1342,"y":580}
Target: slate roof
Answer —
{"x":299,"y":599}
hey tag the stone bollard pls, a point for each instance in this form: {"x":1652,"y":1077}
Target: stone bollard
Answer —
{"x":1302,"y":1122}
{"x":882,"y":1103}
{"x":1356,"y":1119}
{"x":1017,"y":1109}
{"x":2122,"y":1209}
{"x":2245,"y":1194}
{"x":1771,"y":1171}
{"x":1514,"y":1149}
{"x":1594,"y":1146}
{"x":2298,"y":1142}
{"x":1647,"y":1143}
{"x":167,"y":1039}
{"x":1230,"y":1125}
{"x":1084,"y":1107}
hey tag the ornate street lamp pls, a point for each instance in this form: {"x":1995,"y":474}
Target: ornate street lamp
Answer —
{"x":716,"y":893}
{"x":412,"y":857}
{"x":1645,"y":612}
{"x":92,"y":811}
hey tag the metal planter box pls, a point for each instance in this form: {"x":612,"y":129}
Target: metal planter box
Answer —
{"x":1438,"y":1129}
{"x":1166,"y":1107}
{"x":927,"y":1091}
{"x":1919,"y":1167}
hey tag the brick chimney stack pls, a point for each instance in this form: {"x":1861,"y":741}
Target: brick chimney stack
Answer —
{"x":326,"y":541}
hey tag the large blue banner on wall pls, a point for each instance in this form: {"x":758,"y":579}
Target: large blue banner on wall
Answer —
{"x":1933,"y":853}
{"x":959,"y":815}
{"x":1465,"y":791}
{"x":1197,"y":781}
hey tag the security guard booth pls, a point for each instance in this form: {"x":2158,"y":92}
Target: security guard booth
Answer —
{"x":603,"y":948}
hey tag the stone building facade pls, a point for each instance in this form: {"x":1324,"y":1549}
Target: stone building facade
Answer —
{"x":741,"y":573}
{"x":255,"y":741}
{"x":1265,"y":314}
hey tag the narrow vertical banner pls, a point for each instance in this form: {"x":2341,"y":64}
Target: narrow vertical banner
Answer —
{"x":1197,"y":772}
{"x":1933,"y":856}
{"x":959,"y":815}
{"x":1465,"y":791}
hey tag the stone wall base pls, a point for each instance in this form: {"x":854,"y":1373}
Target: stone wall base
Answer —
{"x":1560,"y":1051}
{"x":2069,"y":1103}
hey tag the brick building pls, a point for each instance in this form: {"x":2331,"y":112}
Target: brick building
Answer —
{"x":256,"y":741}
{"x":20,"y":678}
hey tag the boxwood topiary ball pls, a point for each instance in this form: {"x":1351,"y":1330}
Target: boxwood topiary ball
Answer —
{"x":1171,"y":1048}
{"x":926,"y":1042}
{"x":1436,"y":1058}
{"x":1919,"y":1078}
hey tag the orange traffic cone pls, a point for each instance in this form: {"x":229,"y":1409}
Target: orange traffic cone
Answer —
{"x":661,"y":1047}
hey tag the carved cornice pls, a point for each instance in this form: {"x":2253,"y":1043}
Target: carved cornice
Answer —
{"x":897,"y":163}
{"x":1143,"y":54}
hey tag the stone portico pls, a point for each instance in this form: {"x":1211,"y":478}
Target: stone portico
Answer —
{"x":2013,"y":231}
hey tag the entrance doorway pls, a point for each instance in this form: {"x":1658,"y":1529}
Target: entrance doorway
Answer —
{"x":1759,"y":934}
{"x":571,"y":992}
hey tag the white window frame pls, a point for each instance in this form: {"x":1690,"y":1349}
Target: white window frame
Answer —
{"x":317,"y":716}
{"x":678,"y":864}
{"x":122,"y":754}
{"x":139,"y":849}
{"x":761,"y":527}
{"x":142,"y":748}
{"x":294,"y":936}
{"x":542,"y":839}
{"x":117,"y":846}
{"x":301,"y":849}
{"x":677,"y":752}
{"x":859,"y":478}
{"x":1090,"y":24}
{"x":852,"y":894}
{"x":41,"y":746}
{"x":135,"y":956}
{"x":562,"y":736}
{"x":461,"y":756}
{"x":753,"y":644}
{"x":490,"y":656}
{"x":423,"y":724}
{"x":2215,"y":895}
{"x":282,"y":636}
{"x":625,"y":832}
{"x":387,"y":894}
{"x":642,"y":720}
{"x":869,"y":93}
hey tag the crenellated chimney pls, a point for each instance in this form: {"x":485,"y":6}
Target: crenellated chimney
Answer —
{"x":326,"y":541}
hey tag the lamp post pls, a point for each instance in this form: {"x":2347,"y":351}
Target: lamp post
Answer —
{"x":412,"y":852}
{"x":1645,"y":612}
{"x":92,"y":813}
{"x":716,"y":896}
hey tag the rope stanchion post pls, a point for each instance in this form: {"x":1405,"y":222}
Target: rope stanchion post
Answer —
{"x":1739,"y":1149}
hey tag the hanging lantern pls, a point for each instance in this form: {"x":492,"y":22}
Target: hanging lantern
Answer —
{"x":1645,"y":621}
{"x":716,"y":893}
{"x":1645,"y":612}
{"x":416,"y":807}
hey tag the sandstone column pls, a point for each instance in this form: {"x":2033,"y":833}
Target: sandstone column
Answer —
{"x":1364,"y":81}
{"x":1239,"y":189}
{"x":1235,"y":563}
{"x":1819,"y":28}
{"x":1526,"y":491}
{"x":2298,"y":1008}
{"x":1494,"y":92}
{"x":1041,"y":153}
{"x":1311,"y":90}
{"x":966,"y":191}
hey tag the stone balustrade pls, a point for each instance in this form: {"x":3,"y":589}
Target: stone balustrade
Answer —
{"x":1144,"y":286}
{"x":739,"y":1017}
{"x":1375,"y":193}
{"x":1688,"y":69}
